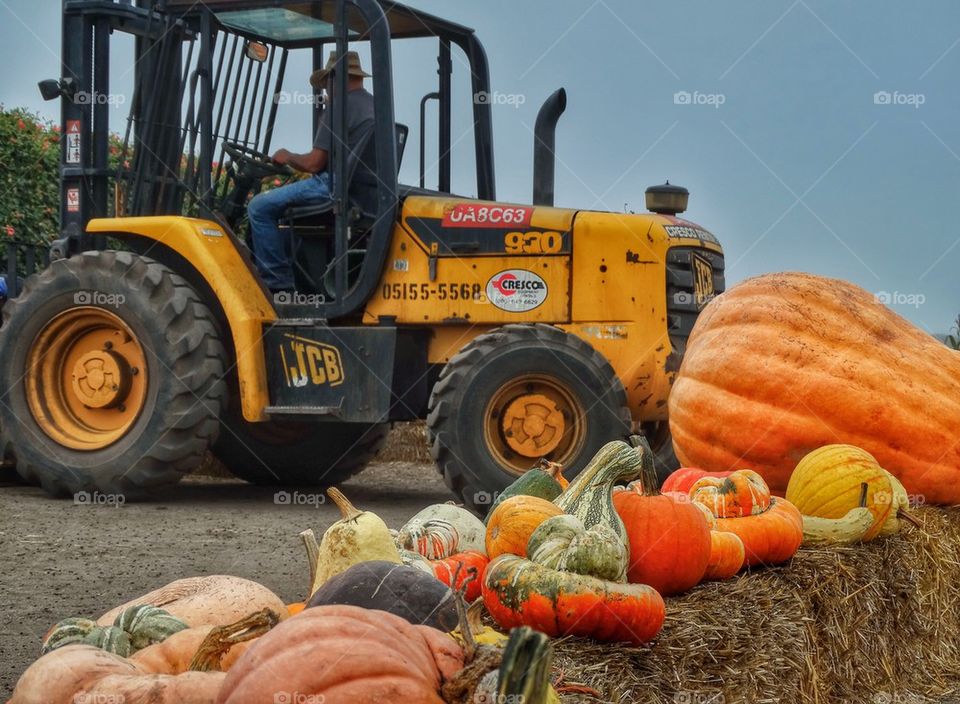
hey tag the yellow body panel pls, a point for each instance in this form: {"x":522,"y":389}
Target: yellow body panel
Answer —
{"x":457,"y":294}
{"x":609,"y":289}
{"x":205,"y":245}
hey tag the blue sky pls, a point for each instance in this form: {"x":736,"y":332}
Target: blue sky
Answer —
{"x":819,"y":135}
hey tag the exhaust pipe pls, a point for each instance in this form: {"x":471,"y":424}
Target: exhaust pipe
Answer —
{"x":544,"y":143}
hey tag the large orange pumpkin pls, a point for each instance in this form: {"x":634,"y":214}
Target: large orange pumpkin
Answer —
{"x":668,"y":535}
{"x":783,"y":364}
{"x":512,"y":523}
{"x":344,"y":655}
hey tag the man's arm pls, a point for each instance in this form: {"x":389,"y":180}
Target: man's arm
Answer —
{"x":313,"y":162}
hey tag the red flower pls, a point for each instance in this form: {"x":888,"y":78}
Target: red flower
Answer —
{"x":10,"y":231}
{"x":276,"y":182}
{"x":21,"y":125}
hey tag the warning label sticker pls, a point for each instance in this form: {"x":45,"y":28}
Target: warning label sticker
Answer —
{"x":73,"y":200}
{"x":516,"y":290}
{"x":73,"y":141}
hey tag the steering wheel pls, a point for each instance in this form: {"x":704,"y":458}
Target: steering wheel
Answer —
{"x":258,"y":163}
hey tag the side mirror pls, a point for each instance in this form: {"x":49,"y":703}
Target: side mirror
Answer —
{"x":257,"y":51}
{"x":50,"y":89}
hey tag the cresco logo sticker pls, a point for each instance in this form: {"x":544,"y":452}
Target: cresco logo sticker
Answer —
{"x":493,"y":216}
{"x":516,"y":290}
{"x":309,"y":362}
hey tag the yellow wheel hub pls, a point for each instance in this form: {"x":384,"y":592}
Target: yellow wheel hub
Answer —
{"x":86,"y":378}
{"x":534,"y":416}
{"x":533,"y":425}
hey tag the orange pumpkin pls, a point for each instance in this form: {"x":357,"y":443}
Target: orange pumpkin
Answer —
{"x":783,"y":364}
{"x":742,"y":493}
{"x":512,"y":523}
{"x":296,"y":607}
{"x":464,"y":567}
{"x":669,"y":537}
{"x":769,"y":538}
{"x":345,"y":655}
{"x":685,"y":477}
{"x":726,"y":555}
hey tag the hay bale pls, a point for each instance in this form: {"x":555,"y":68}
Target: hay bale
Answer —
{"x":870,"y":623}
{"x":407,"y":442}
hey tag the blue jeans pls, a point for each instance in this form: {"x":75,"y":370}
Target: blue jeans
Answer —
{"x":271,"y":248}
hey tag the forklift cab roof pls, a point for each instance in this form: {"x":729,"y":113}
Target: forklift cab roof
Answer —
{"x":294,"y":24}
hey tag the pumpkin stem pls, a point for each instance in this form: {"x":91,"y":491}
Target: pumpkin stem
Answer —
{"x":552,"y":469}
{"x":313,"y":555}
{"x":909,"y":518}
{"x":863,"y":495}
{"x":463,"y":617}
{"x":648,"y":473}
{"x":347,"y":509}
{"x":221,"y":638}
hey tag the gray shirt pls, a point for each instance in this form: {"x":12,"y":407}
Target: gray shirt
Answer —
{"x":359,"y":110}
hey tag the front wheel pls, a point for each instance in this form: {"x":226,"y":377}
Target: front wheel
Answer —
{"x":114,"y":376}
{"x":517,"y":394}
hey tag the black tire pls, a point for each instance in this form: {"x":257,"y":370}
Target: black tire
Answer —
{"x":184,"y":391}
{"x":470,"y":381}
{"x":296,"y":453}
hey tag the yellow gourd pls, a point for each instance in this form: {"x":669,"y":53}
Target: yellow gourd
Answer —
{"x":359,"y":536}
{"x":900,"y":502}
{"x":837,"y":531}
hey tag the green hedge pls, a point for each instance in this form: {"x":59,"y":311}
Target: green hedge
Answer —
{"x":29,"y":185}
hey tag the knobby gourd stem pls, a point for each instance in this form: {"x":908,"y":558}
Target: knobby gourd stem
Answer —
{"x":347,"y":509}
{"x":313,"y":554}
{"x":221,"y":638}
{"x":909,"y":518}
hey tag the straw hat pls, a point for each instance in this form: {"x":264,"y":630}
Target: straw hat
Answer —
{"x":354,"y":68}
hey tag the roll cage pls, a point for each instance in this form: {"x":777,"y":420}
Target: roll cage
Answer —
{"x":213,"y":72}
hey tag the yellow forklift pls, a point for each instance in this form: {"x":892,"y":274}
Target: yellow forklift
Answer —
{"x":518,"y":331}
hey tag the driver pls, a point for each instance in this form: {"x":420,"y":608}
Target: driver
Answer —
{"x":272,"y":249}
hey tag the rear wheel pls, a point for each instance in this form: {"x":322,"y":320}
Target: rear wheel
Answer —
{"x":515,"y":395}
{"x":114,"y":373}
{"x":277,"y":453}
